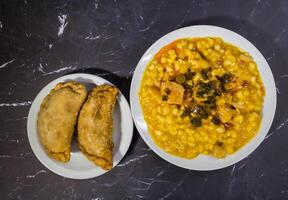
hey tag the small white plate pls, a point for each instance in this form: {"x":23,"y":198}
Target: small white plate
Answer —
{"x":79,"y":167}
{"x":205,"y":162}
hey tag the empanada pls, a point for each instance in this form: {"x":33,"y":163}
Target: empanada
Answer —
{"x":95,"y":125}
{"x":57,"y":118}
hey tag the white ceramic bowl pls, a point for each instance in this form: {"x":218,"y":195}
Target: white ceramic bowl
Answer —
{"x":79,"y":167}
{"x":205,"y":162}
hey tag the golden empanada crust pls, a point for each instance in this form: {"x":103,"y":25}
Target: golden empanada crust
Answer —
{"x":57,"y":118}
{"x":95,"y":124}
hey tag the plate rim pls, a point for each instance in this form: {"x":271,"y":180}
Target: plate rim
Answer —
{"x":166,"y":156}
{"x":71,"y":173}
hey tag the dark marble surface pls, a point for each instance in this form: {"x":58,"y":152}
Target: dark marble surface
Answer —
{"x":43,"y":40}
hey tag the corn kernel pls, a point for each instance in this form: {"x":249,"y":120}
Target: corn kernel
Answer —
{"x":233,"y":135}
{"x":230,"y":141}
{"x":238,"y":119}
{"x":229,"y":149}
{"x":158,"y":133}
{"x":252,"y":66}
{"x":227,"y":63}
{"x":163,"y":60}
{"x":190,"y":46}
{"x":171,"y":52}
{"x":217,"y":47}
{"x":220,"y":130}
{"x":200,"y":148}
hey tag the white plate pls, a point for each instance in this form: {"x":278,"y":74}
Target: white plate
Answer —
{"x":79,"y":167}
{"x":205,"y":162}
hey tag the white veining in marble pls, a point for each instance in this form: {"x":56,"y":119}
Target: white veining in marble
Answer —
{"x":146,"y":149}
{"x":90,"y":37}
{"x":15,"y":119}
{"x":98,"y":198}
{"x":174,"y":188}
{"x":158,"y":174}
{"x":9,"y":140}
{"x":241,"y":166}
{"x":63,"y":23}
{"x":130,"y":73}
{"x":36,"y":174}
{"x":252,"y":12}
{"x":233,"y":170}
{"x":26,"y":103}
{"x":14,"y":190}
{"x":187,"y":12}
{"x":284,"y":76}
{"x":5,"y":64}
{"x":7,"y":156}
{"x":281,"y":34}
{"x":144,"y":182}
{"x":284,"y":123}
{"x":147,"y":27}
{"x":277,"y":90}
{"x":108,"y":73}
{"x":230,"y":186}
{"x":272,"y":56}
{"x":154,"y":18}
{"x":96,"y":4}
{"x":19,"y":156}
{"x":132,"y":160}
{"x":269,"y":135}
{"x":148,"y":182}
{"x":60,"y":70}
{"x":41,"y":69}
{"x":284,"y":191}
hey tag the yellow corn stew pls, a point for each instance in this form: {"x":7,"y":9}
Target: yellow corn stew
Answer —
{"x":202,"y":96}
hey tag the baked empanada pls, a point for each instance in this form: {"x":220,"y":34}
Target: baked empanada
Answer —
{"x":57,"y":118}
{"x":95,"y":124}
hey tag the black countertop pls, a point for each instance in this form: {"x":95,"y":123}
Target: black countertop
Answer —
{"x":43,"y":40}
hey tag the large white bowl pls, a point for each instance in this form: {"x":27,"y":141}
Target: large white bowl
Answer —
{"x":79,"y":167}
{"x":205,"y":162}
